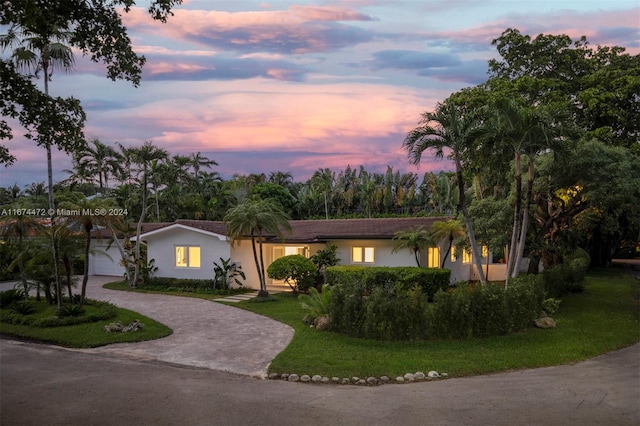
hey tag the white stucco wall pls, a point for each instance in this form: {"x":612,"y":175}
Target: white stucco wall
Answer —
{"x":161,"y":247}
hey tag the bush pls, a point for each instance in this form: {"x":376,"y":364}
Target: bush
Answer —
{"x":296,"y":270}
{"x":187,"y":286}
{"x":394,"y":313}
{"x":568,"y":276}
{"x":70,"y":311}
{"x":430,"y":280}
{"x":23,"y":307}
{"x":10,"y":296}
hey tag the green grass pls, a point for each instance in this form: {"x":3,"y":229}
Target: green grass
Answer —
{"x":124,"y":286}
{"x":603,"y":318}
{"x":86,"y":335}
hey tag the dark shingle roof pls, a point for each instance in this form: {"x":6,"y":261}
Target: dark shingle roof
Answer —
{"x":322,"y":230}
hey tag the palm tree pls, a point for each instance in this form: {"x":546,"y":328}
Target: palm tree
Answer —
{"x":254,"y":218}
{"x":524,"y":131}
{"x":143,"y":157}
{"x":449,"y":230}
{"x":448,"y":127}
{"x":100,"y":161}
{"x":415,"y":239}
{"x":37,"y":53}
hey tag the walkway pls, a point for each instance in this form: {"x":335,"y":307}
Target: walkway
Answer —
{"x":205,"y":334}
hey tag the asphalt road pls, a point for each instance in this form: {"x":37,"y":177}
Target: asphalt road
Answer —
{"x":46,"y":385}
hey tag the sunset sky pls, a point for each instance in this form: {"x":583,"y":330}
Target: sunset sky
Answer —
{"x":293,"y":86}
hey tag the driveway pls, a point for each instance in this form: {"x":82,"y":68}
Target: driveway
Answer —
{"x":205,"y":334}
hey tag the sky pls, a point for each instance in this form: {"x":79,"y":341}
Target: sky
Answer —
{"x":295,"y":86}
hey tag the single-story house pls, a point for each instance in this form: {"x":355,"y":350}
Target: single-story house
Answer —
{"x":188,"y":248}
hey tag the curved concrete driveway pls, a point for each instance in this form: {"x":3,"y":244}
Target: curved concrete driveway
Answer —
{"x":205,"y":334}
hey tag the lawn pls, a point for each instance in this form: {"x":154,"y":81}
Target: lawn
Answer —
{"x":603,"y":318}
{"x":174,"y":291}
{"x":87,"y":335}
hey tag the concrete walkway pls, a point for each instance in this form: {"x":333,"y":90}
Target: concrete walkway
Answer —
{"x":205,"y":334}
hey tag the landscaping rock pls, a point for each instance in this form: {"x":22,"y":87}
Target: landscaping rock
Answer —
{"x":355,"y":379}
{"x":372,"y":381}
{"x":400,"y":379}
{"x":293,"y":378}
{"x":444,"y":375}
{"x":361,"y":382}
{"x":322,"y":323}
{"x":409,"y":377}
{"x":345,"y":381}
{"x":325,"y":380}
{"x":316,"y":378}
{"x":284,"y":376}
{"x":274,"y":376}
{"x":305,"y":378}
{"x":433,"y":374}
{"x":335,"y":379}
{"x":545,"y":322}
{"x":419,"y":375}
{"x":385,"y":379}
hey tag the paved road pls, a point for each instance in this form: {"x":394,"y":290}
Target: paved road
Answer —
{"x":44,"y":385}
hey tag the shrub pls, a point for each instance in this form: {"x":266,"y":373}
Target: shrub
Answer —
{"x":568,"y":276}
{"x":10,"y":296}
{"x":296,"y":270}
{"x":317,"y":302}
{"x":430,"y":280}
{"x":395,"y":314}
{"x":227,"y":273}
{"x":70,"y":311}
{"x":23,"y":307}
{"x":347,"y":308}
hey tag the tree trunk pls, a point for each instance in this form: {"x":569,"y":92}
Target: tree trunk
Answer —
{"x":85,"y":277}
{"x":136,"y":267}
{"x":123,"y":255}
{"x":467,"y":221}
{"x":444,"y":259}
{"x":511,"y":265}
{"x":525,"y":217}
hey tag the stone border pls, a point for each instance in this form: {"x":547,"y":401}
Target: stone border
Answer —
{"x":369,"y":381}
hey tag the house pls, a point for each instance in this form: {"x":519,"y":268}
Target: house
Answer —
{"x":188,"y":248}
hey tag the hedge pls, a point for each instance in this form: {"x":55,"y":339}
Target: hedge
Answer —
{"x":429,"y":280}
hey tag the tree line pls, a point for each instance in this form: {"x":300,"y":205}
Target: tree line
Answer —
{"x":547,"y":148}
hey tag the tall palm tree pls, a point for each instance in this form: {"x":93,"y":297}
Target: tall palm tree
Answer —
{"x":44,"y":54}
{"x":449,"y":231}
{"x":448,"y":127}
{"x":525,"y":131}
{"x":254,"y":218}
{"x":143,"y":157}
{"x":415,"y":239}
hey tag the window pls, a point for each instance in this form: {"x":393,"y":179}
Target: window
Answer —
{"x":280,"y":251}
{"x":362,"y":254}
{"x":454,"y":256}
{"x":466,"y":256}
{"x":187,"y":256}
{"x":485,"y":251}
{"x":433,"y":257}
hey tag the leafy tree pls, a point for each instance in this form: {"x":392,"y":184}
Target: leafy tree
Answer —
{"x":323,"y":259}
{"x":296,"y":270}
{"x":453,"y":128}
{"x":99,"y":162}
{"x":415,"y":239}
{"x":256,"y":218}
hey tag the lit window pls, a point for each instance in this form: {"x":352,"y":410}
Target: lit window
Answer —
{"x":187,"y":256}
{"x":485,"y":251}
{"x":466,"y":256}
{"x":280,"y":251}
{"x":362,"y":254}
{"x":433,"y":254}
{"x":454,"y":257}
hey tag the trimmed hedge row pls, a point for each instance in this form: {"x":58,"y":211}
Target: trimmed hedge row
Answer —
{"x":429,"y":280}
{"x":186,"y":285}
{"x":394,"y":313}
